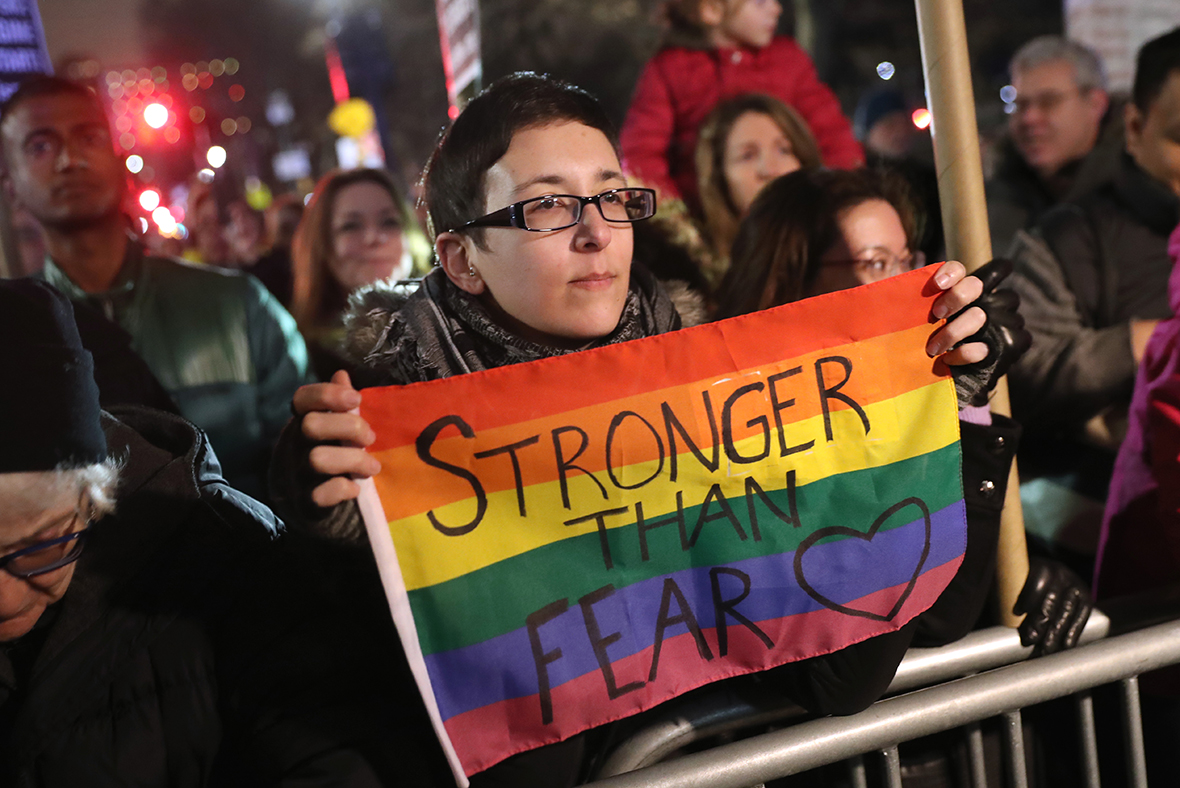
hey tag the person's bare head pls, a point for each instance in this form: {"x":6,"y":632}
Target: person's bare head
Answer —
{"x":1060,"y":102}
{"x":59,"y":160}
{"x":1153,"y":114}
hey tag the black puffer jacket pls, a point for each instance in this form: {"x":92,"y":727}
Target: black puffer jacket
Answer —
{"x":1087,"y":271}
{"x":195,"y":647}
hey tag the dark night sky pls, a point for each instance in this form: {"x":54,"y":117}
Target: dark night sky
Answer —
{"x":108,"y":29}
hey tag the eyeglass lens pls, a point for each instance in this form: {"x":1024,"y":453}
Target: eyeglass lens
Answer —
{"x":557,"y":211}
{"x":46,"y":558}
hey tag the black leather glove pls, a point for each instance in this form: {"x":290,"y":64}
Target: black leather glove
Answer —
{"x":1057,"y":605}
{"x":1004,"y":334}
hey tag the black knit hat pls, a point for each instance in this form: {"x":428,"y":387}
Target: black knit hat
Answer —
{"x":49,"y":412}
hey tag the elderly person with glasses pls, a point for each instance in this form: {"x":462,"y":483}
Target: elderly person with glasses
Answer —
{"x":157,"y":628}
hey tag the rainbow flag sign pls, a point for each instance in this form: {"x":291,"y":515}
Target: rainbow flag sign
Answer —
{"x":571,"y":541}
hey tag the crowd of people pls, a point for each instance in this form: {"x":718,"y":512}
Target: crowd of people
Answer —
{"x":187,"y":593}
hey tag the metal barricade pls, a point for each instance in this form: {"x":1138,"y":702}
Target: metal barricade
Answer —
{"x":1002,"y":691}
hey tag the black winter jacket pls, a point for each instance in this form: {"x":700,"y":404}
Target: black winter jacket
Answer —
{"x":1088,"y":270}
{"x":194,"y":647}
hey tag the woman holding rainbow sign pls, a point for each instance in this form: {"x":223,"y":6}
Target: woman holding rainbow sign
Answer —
{"x":532,"y":221}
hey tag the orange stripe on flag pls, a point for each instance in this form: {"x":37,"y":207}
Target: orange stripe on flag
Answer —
{"x":554,"y":386}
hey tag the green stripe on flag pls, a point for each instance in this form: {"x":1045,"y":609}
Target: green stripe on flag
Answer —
{"x":496,"y":599}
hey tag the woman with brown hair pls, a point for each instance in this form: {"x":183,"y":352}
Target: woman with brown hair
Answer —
{"x":358,"y":229}
{"x":744,"y":144}
{"x":817,"y":231}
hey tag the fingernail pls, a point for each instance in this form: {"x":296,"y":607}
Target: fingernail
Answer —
{"x":939,"y":311}
{"x":942,"y":280}
{"x":353,"y":398}
{"x":934,"y":349}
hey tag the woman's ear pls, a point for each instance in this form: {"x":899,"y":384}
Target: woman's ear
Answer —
{"x":454,"y":256}
{"x":712,"y":13}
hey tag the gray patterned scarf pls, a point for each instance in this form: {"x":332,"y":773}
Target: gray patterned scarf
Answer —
{"x":441,"y":331}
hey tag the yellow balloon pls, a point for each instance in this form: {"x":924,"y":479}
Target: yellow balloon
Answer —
{"x":352,"y":118}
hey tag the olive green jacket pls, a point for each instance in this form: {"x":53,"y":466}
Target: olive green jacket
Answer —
{"x":218,"y":341}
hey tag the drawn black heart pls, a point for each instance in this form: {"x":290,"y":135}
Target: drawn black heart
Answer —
{"x":840,"y":530}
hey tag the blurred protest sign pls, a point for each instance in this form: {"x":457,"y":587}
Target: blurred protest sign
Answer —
{"x":1115,"y":29}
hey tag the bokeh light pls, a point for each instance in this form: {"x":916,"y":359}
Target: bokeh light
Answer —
{"x":164,"y":219}
{"x":172,"y":134}
{"x":134,"y":163}
{"x":921,"y":118}
{"x":237,"y":92}
{"x":155,"y":115}
{"x":196,"y":114}
{"x":229,"y":126}
{"x":149,"y":199}
{"x":215,"y":156}
{"x":886,"y":70}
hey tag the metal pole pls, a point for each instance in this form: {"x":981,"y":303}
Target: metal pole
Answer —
{"x":975,"y":757}
{"x":951,"y":100}
{"x":1133,"y":733}
{"x":1014,"y":736}
{"x":1089,"y":737}
{"x":892,"y":767}
{"x":830,"y":739}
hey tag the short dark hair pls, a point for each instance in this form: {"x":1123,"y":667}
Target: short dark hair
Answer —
{"x":791,"y":224}
{"x":455,"y":188}
{"x":41,"y":85}
{"x":1157,"y":59}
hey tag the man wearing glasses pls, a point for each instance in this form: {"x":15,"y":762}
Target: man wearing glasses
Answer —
{"x":1055,"y":121}
{"x":156,"y":628}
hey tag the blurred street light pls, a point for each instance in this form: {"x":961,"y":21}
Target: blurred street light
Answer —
{"x":215,"y":156}
{"x":155,"y":115}
{"x":149,"y":199}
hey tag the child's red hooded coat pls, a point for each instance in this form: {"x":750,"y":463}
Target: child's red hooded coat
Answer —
{"x":681,"y":85}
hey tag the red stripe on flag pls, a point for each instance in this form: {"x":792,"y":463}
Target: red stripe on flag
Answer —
{"x":525,"y":392}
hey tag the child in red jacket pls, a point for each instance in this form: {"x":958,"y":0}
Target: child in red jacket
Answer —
{"x":717,"y":49}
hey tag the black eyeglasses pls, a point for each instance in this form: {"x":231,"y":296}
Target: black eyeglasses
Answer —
{"x":46,"y":556}
{"x":559,"y":211}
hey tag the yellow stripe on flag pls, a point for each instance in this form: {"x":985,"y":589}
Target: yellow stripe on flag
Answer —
{"x":901,"y":428}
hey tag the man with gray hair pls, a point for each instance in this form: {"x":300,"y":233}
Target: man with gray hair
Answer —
{"x":156,"y":626}
{"x":1093,"y":283}
{"x":1055,"y":124}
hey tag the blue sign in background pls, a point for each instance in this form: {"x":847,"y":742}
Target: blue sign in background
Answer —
{"x":22,"y":44}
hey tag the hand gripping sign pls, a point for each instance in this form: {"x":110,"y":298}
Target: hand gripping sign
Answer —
{"x":577,"y":539}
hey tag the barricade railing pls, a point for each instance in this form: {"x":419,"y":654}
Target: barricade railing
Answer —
{"x":1008,"y":685}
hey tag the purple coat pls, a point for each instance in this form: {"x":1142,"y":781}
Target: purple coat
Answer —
{"x":1140,"y":544}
